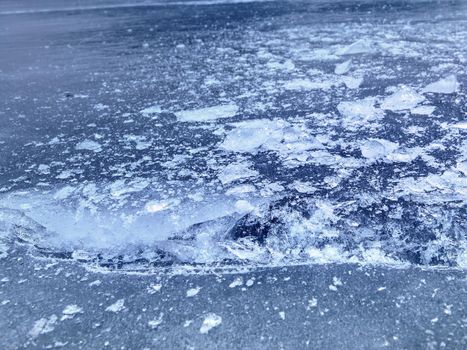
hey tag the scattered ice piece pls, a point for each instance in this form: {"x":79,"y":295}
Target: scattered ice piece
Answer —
{"x":358,"y":47}
{"x":89,"y":145}
{"x":237,"y":282}
{"x":155,"y":322}
{"x":423,"y":110}
{"x":192,"y":292}
{"x":358,"y":113}
{"x":236,"y":171}
{"x":336,"y":281}
{"x":240,"y":190}
{"x":43,"y":326}
{"x":64,"y":192}
{"x":282,"y":315}
{"x":374,"y":149}
{"x":208,"y":113}
{"x":243,"y":206}
{"x":151,"y":110}
{"x":447,"y":85}
{"x":72,"y":309}
{"x":250,"y":282}
{"x":303,"y":187}
{"x":154,"y":288}
{"x":118,"y":306}
{"x":404,"y":98}
{"x":307,"y":84}
{"x":460,"y":125}
{"x":157,"y":206}
{"x":342,"y":68}
{"x":95,"y":283}
{"x":352,"y":83}
{"x":380,"y":289}
{"x":313,"y":302}
{"x":211,"y":321}
{"x":333,"y":288}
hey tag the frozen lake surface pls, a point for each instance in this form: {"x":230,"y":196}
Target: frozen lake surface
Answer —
{"x":186,"y":145}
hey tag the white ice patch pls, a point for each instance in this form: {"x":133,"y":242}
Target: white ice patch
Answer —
{"x":448,"y":85}
{"x":359,"y":47}
{"x":374,"y":149}
{"x":404,"y":98}
{"x":89,"y":145}
{"x":192,"y":292}
{"x":460,"y":125}
{"x":43,"y":326}
{"x":236,"y":171}
{"x":307,"y":84}
{"x":211,"y":321}
{"x":343,"y":67}
{"x":72,"y":309}
{"x":208,"y":113}
{"x":118,"y":306}
{"x":423,"y":110}
{"x":358,"y":113}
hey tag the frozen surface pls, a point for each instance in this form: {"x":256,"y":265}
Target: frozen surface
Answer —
{"x":216,"y":136}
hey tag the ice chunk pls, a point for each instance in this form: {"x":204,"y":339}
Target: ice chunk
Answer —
{"x":307,"y":84}
{"x":460,"y":125}
{"x":118,"y":306}
{"x":352,"y":83}
{"x":211,"y":321}
{"x":192,"y":292}
{"x":423,"y":110}
{"x":42,"y":326}
{"x":374,"y":149}
{"x":343,"y":67}
{"x":72,"y":309}
{"x":236,"y":171}
{"x":358,"y":47}
{"x":404,"y":98}
{"x":89,"y":145}
{"x":250,"y":135}
{"x":446,"y":85}
{"x":359,"y":109}
{"x":208,"y":113}
{"x":151,"y":110}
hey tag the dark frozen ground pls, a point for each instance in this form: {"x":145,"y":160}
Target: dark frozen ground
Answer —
{"x":369,"y":308}
{"x":77,"y":70}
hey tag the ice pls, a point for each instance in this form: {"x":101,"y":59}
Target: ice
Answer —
{"x":423,"y":110}
{"x":342,"y":68}
{"x":211,"y":321}
{"x":154,"y":109}
{"x":359,"y":47}
{"x":192,"y":292}
{"x":374,"y":149}
{"x":89,"y":145}
{"x":404,"y":98}
{"x":447,"y":85}
{"x":43,"y":326}
{"x":352,"y":82}
{"x":460,"y":125}
{"x":208,"y":113}
{"x":307,"y":84}
{"x":236,"y":171}
{"x":72,"y":309}
{"x":358,"y":113}
{"x":118,"y":306}
{"x":250,"y":135}
{"x":237,"y":282}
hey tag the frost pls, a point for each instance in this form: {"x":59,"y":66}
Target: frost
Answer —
{"x":118,"y":306}
{"x":211,"y":321}
{"x":208,"y":113}
{"x":89,"y":145}
{"x":448,"y":85}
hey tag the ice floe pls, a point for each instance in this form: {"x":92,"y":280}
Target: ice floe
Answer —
{"x":208,"y":113}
